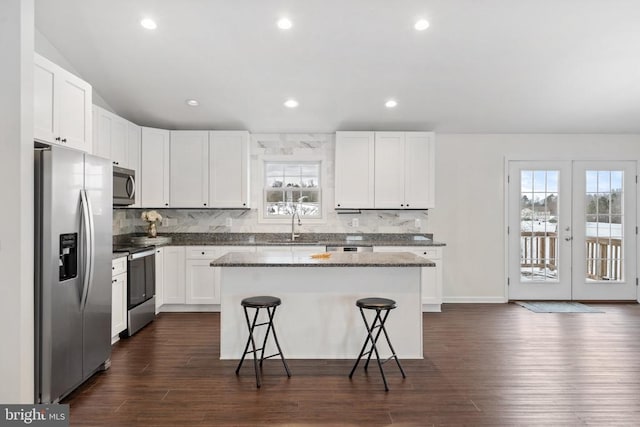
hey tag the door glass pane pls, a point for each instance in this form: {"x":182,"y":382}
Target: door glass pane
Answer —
{"x":603,"y":225}
{"x":539,"y":225}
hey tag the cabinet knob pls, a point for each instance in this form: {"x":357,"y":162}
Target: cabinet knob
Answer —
{"x":244,"y":204}
{"x":64,"y":139}
{"x":205,"y":204}
{"x":401,"y":205}
{"x":407,"y":204}
{"x":338,"y":204}
{"x":166,"y":204}
{"x":202,"y":253}
{"x":57,"y":138}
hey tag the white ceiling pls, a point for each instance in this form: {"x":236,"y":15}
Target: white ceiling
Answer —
{"x":496,"y":66}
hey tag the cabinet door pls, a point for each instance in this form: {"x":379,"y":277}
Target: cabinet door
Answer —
{"x":73,"y":101}
{"x":159,"y":278}
{"x":118,"y":304}
{"x":45,"y":125}
{"x":389,"y":170}
{"x":354,"y":187}
{"x":134,"y":136}
{"x":119,"y":142}
{"x":201,"y":287}
{"x":154,"y":168}
{"x":102,"y":143}
{"x":173,"y":291}
{"x":229,"y":169}
{"x":189,"y":171}
{"x":62,"y":106}
{"x":419,"y":162}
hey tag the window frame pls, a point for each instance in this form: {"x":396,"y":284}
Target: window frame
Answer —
{"x":321,"y":189}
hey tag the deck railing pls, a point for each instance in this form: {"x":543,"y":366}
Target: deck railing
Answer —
{"x":604,"y":256}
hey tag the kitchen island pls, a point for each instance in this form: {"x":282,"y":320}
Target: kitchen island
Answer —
{"x":318,"y":318}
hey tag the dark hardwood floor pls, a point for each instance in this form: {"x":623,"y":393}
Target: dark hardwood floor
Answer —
{"x":484,"y":364}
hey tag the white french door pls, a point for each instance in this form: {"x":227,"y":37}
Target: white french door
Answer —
{"x":572,"y":230}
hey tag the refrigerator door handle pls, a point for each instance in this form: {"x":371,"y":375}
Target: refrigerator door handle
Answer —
{"x":87,"y":216}
{"x":131,"y":182}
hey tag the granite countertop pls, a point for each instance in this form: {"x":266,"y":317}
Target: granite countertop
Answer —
{"x":284,"y":239}
{"x":336,"y":259}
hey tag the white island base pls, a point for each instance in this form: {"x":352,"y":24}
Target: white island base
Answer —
{"x":318,"y":317}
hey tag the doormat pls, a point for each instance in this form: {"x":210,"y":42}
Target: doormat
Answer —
{"x":557,"y":307}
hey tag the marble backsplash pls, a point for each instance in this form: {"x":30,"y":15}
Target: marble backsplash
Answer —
{"x":279,"y":147}
{"x":127,"y":221}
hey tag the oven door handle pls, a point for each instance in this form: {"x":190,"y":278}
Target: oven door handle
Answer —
{"x":139,"y":255}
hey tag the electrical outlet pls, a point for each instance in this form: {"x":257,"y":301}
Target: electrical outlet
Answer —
{"x":355,"y":222}
{"x":417,"y":223}
{"x":229,"y":222}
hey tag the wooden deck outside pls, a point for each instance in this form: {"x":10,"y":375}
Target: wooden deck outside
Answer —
{"x":538,"y":249}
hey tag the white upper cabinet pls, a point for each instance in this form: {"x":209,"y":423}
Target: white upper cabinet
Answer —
{"x":154,"y":168}
{"x":419,"y":170}
{"x":111,"y":137}
{"x":229,"y":169}
{"x":189,"y":171}
{"x":62,"y":106}
{"x":102,"y":120}
{"x":134,"y":140}
{"x":389,"y":170}
{"x":354,"y":170}
{"x":404,"y":170}
{"x":119,"y":142}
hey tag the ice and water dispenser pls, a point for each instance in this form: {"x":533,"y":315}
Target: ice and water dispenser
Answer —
{"x":68,"y":264}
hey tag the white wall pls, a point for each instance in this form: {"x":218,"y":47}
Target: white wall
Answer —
{"x":470,"y":194}
{"x":16,"y":193}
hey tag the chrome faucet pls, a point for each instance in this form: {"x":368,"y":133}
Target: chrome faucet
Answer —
{"x":293,"y":216}
{"x":293,"y":234}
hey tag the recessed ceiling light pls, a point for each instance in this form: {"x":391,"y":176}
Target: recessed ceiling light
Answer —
{"x":391,"y":103}
{"x":291,"y":103}
{"x":284,"y":24}
{"x":149,"y":24}
{"x":421,"y":25}
{"x":192,"y":102}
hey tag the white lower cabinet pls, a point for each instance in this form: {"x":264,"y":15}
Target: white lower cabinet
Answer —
{"x":431,"y":276}
{"x":118,"y":297}
{"x":189,"y":283}
{"x":173,"y":279}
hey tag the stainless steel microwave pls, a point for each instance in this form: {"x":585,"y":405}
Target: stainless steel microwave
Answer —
{"x":124,"y":186}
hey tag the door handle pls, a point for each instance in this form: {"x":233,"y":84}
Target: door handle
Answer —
{"x":568,"y":239}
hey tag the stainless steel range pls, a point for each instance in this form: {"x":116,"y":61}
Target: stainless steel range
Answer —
{"x":141,"y":287}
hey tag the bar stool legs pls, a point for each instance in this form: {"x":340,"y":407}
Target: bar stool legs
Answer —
{"x":383,"y":307}
{"x":270,"y":304}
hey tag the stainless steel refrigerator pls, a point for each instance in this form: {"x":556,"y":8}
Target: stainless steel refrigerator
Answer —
{"x":73,"y":232}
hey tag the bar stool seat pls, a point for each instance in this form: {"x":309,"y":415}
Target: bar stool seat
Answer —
{"x":382,"y":307}
{"x":261,"y":302}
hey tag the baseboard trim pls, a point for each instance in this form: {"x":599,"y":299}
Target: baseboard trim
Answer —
{"x":474,"y":300}
{"x":188,"y":308}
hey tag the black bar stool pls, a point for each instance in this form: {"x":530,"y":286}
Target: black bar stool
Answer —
{"x":383,"y":307}
{"x":270,"y":303}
